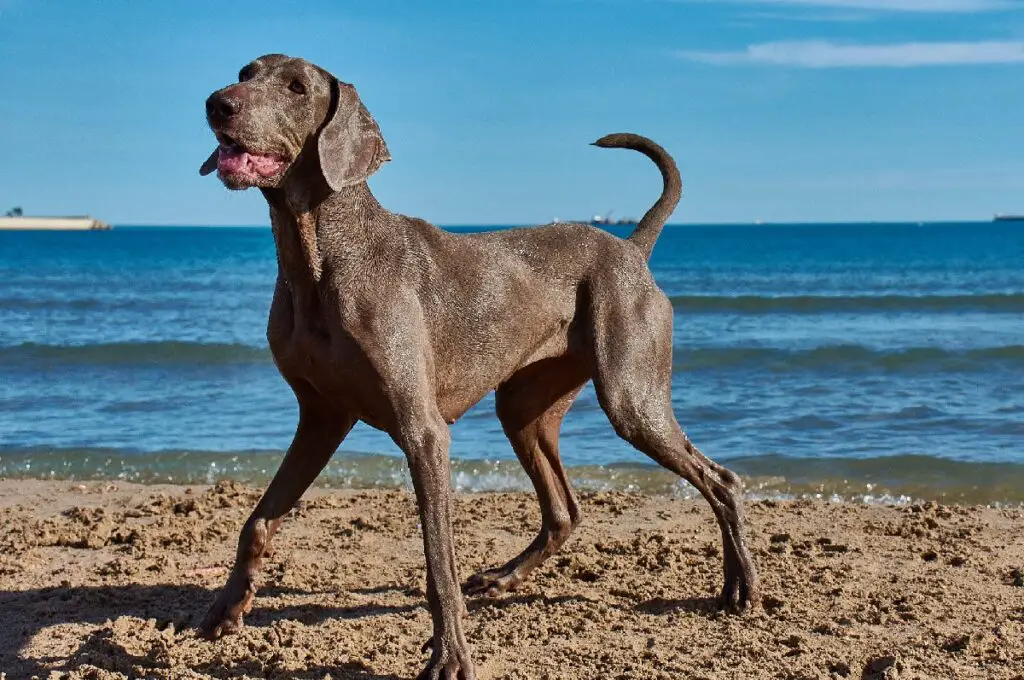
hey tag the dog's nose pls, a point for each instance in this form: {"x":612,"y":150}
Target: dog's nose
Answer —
{"x":222,"y":105}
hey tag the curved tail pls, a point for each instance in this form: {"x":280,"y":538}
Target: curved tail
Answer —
{"x":647,"y":232}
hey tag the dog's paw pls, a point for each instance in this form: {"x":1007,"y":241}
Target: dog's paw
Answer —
{"x":740,"y":595}
{"x":455,"y":669}
{"x":492,"y":583}
{"x":217,"y":625}
{"x":225,"y":616}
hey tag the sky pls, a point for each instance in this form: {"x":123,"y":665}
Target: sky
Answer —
{"x":775,"y":110}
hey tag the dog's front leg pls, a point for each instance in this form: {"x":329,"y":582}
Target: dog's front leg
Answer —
{"x":425,"y":442}
{"x":316,"y":438}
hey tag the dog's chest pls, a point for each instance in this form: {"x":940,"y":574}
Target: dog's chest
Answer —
{"x":304,"y":348}
{"x":303,"y":354}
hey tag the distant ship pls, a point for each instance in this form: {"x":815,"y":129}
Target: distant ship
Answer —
{"x":52,"y":224}
{"x":606,"y":220}
{"x":1008,"y":218}
{"x":15,"y":220}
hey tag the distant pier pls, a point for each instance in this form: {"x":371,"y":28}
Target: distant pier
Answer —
{"x":19,"y":223}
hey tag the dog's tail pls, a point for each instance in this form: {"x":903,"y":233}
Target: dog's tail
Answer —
{"x":647,"y":232}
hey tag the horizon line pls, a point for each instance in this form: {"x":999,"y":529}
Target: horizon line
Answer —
{"x":516,"y":225}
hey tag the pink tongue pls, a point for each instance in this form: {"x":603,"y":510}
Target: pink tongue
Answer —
{"x":236,"y":161}
{"x":232,"y":160}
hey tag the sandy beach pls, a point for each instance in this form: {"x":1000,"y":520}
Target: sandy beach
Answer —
{"x":107,"y":580}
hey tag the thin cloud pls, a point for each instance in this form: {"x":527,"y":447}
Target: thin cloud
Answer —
{"x":920,"y":6}
{"x":822,"y":54}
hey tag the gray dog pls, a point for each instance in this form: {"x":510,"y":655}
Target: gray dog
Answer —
{"x":389,"y":320}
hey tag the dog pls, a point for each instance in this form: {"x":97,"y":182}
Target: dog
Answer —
{"x":389,"y":320}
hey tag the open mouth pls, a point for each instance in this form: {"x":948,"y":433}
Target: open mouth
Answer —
{"x":234,"y":159}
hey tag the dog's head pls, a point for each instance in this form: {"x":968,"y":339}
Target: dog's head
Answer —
{"x":285,"y":112}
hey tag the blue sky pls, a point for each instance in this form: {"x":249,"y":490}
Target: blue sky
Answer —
{"x":778,"y":110}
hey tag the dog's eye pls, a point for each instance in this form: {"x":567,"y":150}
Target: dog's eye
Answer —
{"x":245,"y":74}
{"x":297,"y":87}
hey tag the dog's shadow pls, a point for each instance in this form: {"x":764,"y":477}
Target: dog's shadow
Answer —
{"x":27,"y":612}
{"x":30,"y":611}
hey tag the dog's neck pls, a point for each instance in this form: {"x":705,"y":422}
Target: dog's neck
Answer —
{"x":295,"y":214}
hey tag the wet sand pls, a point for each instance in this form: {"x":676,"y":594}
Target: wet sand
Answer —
{"x":102,"y":580}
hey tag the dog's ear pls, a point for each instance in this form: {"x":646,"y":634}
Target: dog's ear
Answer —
{"x":210,"y":164}
{"x":351,"y":147}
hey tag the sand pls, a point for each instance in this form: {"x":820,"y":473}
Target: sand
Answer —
{"x":102,"y":580}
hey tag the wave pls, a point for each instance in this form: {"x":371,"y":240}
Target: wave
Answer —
{"x":829,"y":358}
{"x":880,"y":479}
{"x":128,"y":353}
{"x":33,"y":304}
{"x":142,"y":303}
{"x":121,"y":303}
{"x":824,"y":304}
{"x":1000,"y":303}
{"x":849,"y":357}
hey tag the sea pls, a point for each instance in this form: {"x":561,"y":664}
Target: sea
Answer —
{"x":879,"y":363}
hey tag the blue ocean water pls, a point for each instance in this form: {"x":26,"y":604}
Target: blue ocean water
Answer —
{"x":856,"y":360}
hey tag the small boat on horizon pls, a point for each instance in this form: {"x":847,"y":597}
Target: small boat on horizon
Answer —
{"x":1001,"y":217}
{"x":606,"y":220}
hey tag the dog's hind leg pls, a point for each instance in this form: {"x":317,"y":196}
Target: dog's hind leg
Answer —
{"x":632,"y":364}
{"x":531,"y":407}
